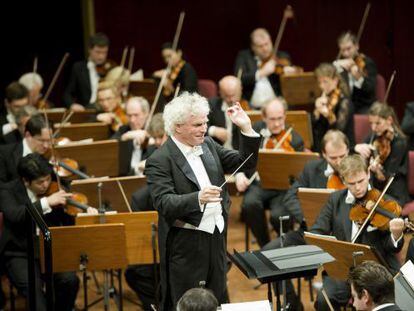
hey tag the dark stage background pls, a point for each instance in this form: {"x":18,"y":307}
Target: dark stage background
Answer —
{"x":213,"y":32}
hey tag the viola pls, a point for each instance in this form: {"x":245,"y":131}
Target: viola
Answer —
{"x":245,"y":105}
{"x":333,"y":99}
{"x":335,"y":182}
{"x":120,"y":118}
{"x":104,"y":68}
{"x":282,"y":140}
{"x":360,"y":62}
{"x":382,"y":146}
{"x":172,"y":76}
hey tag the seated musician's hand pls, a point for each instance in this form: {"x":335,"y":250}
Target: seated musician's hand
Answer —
{"x":396,"y":227}
{"x":268,"y":68}
{"x":221,"y":134}
{"x":321,"y":106}
{"x":240,"y":118}
{"x":77,"y":107}
{"x":242,"y":182}
{"x":92,"y":211}
{"x":105,"y":117}
{"x":158,"y":73}
{"x":137,"y":135}
{"x":209,"y":194}
{"x":58,"y":198}
{"x":346,"y":63}
{"x":364,"y":150}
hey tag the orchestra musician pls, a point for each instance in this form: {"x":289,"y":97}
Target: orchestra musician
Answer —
{"x":256,"y":199}
{"x":184,"y":176}
{"x":119,"y":76}
{"x":34,"y":178}
{"x":386,"y":150}
{"x":358,"y":70}
{"x":407,"y":124}
{"x":109,"y":106}
{"x":34,"y":84}
{"x":17,"y":96}
{"x":181,"y":73}
{"x":220,"y":127}
{"x":259,"y":79}
{"x":22,"y":115}
{"x":334,"y":220}
{"x":333,"y":109}
{"x":82,"y":87}
{"x":321,"y":173}
{"x":372,"y":287}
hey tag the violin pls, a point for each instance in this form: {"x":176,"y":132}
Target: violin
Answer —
{"x":382,"y":146}
{"x":360,"y":62}
{"x":245,"y":105}
{"x":281,"y":141}
{"x":335,"y":182}
{"x":168,"y":91}
{"x":333,"y":99}
{"x":104,"y":68}
{"x":76,"y":204}
{"x":120,"y":118}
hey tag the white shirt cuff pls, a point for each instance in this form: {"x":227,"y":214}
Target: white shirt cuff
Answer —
{"x":394,"y":242}
{"x":45,"y":206}
{"x":251,"y":134}
{"x":211,"y":131}
{"x":7,"y":128}
{"x":358,"y":83}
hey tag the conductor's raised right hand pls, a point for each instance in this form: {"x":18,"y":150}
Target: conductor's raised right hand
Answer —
{"x":209,"y":194}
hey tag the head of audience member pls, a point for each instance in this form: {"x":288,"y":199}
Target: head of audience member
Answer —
{"x":137,"y":110}
{"x":230,"y":89}
{"x":156,"y":130}
{"x":34,"y":83}
{"x":335,"y":147}
{"x":382,"y":118}
{"x":17,"y":96}
{"x":185,"y":118}
{"x":355,"y":175}
{"x":98,"y":48}
{"x":274,"y":115}
{"x":35,"y":171}
{"x":371,"y":285}
{"x":261,"y":43}
{"x":197,"y":299}
{"x":329,"y":79}
{"x":23,"y":115}
{"x":169,"y":55}
{"x":108,"y":97}
{"x":119,"y":76}
{"x":348,"y":45}
{"x":37,"y":134}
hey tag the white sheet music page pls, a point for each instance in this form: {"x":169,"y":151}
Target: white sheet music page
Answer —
{"x":408,"y":271}
{"x":262,"y":305}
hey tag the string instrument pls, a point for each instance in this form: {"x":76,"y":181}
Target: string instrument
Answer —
{"x":382,"y":146}
{"x":333,"y":99}
{"x":245,"y":105}
{"x":335,"y":182}
{"x":120,"y":118}
{"x":105,"y":67}
{"x":76,"y":204}
{"x":360,"y":62}
{"x":172,"y":76}
{"x":281,"y":141}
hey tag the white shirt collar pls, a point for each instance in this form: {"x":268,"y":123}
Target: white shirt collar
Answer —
{"x":224,"y":106}
{"x":329,"y":170}
{"x":26,"y":148}
{"x":31,"y":195}
{"x":380,"y":307}
{"x":350,"y":199}
{"x":187,"y":150}
{"x":265,"y":132}
{"x":91,"y":64}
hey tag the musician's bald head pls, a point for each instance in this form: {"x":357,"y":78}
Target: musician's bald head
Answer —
{"x":230,"y":89}
{"x":137,"y":109}
{"x":279,"y":103}
{"x":335,"y":147}
{"x":261,"y":43}
{"x":274,"y":115}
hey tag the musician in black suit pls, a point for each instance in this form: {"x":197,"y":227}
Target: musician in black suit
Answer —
{"x":36,"y":139}
{"x":259,"y":80}
{"x":334,"y":220}
{"x":407,"y":124}
{"x":17,"y":96}
{"x":358,"y":70}
{"x":82,"y":87}
{"x":220,"y":126}
{"x":184,"y":177}
{"x":321,"y":173}
{"x":256,"y":199}
{"x":372,"y":287}
{"x":33,"y":182}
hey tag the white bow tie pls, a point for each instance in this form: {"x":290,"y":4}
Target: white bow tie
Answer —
{"x":196,"y":151}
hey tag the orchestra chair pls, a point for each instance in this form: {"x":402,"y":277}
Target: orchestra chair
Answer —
{"x":380,"y":88}
{"x":361,"y":127}
{"x":207,"y":88}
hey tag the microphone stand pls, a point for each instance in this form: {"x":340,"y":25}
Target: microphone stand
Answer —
{"x":281,"y":219}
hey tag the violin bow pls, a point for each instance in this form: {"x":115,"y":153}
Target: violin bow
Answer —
{"x":56,"y":76}
{"x":166,"y":71}
{"x":371,"y":213}
{"x":34,"y":78}
{"x":124,"y":195}
{"x":281,"y":141}
{"x":177,"y":90}
{"x":287,"y":13}
{"x":387,"y":93}
{"x":239,"y":73}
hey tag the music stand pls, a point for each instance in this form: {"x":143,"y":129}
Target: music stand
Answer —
{"x":55,"y":115}
{"x":404,"y":286}
{"x":311,"y":201}
{"x":347,"y":254}
{"x":278,"y":170}
{"x":300,"y":89}
{"x":80,"y":131}
{"x":93,"y":247}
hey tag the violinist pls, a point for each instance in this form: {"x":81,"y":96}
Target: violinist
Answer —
{"x":135,"y":137}
{"x":82,"y":87}
{"x":256,"y":199}
{"x":386,"y":151}
{"x":321,"y":173}
{"x":259,"y":79}
{"x":358,"y":70}
{"x":219,"y":124}
{"x":333,"y":109}
{"x":22,"y":115}
{"x":334,"y":219}
{"x":17,"y":96}
{"x":119,"y":76}
{"x":36,"y":139}
{"x":34,"y":84}
{"x":181,"y":73}
{"x":109,"y":106}
{"x":34,"y":178}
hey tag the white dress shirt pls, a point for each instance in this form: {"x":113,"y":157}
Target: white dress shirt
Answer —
{"x":43,"y":201}
{"x":212,"y":216}
{"x":94,"y":79}
{"x":352,"y":82}
{"x":26,"y":148}
{"x":136,"y":158}
{"x":229,"y":127}
{"x":263,"y":91}
{"x":7,"y":128}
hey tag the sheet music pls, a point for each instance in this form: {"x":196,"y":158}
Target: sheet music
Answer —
{"x":408,"y":271}
{"x":307,"y":233}
{"x":262,"y":305}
